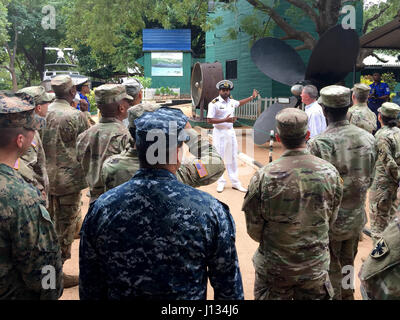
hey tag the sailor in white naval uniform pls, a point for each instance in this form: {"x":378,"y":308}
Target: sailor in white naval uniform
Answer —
{"x":221,"y":113}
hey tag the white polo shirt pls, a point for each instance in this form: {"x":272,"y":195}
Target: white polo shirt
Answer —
{"x":221,"y":109}
{"x":316,"y":119}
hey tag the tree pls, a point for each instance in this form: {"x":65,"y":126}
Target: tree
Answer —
{"x":111,"y":33}
{"x":371,"y":15}
{"x":35,"y":38}
{"x":25,"y":38}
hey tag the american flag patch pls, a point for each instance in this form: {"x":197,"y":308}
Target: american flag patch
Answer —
{"x":201,"y":169}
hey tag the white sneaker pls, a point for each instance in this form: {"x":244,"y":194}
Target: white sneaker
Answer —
{"x":239,"y":188}
{"x":220,"y":188}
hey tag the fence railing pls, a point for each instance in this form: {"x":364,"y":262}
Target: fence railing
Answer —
{"x":253,"y":109}
{"x":149,"y":93}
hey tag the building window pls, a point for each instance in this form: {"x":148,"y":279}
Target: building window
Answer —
{"x":231,"y":69}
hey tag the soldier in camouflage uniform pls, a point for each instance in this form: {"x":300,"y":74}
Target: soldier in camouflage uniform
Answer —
{"x":352,"y":151}
{"x":380,"y":273}
{"x":359,"y":114}
{"x":206,"y":167}
{"x":154,"y":237}
{"x":33,"y":166}
{"x":28,"y":240}
{"x":107,"y":138}
{"x":66,"y":177}
{"x":135,"y":89}
{"x":383,"y":193}
{"x":290,"y":206}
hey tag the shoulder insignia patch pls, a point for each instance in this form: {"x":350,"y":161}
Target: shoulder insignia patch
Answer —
{"x":34,"y":144}
{"x":381,"y":249}
{"x":201,"y":169}
{"x":215,"y":100}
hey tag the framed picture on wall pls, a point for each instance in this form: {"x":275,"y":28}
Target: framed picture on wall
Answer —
{"x":166,"y":64}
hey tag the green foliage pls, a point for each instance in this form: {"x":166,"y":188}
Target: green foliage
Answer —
{"x":3,"y":21}
{"x":24,"y":19}
{"x":165,"y":91}
{"x":370,"y":11}
{"x":390,"y":79}
{"x":92,"y":101}
{"x":146,"y":82}
{"x":5,"y":80}
{"x":257,"y":27}
{"x":112,"y":31}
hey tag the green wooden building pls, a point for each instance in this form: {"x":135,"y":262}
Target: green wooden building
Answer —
{"x":234,"y":55}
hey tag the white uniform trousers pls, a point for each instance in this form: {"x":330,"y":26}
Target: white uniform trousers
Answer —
{"x":225,"y":142}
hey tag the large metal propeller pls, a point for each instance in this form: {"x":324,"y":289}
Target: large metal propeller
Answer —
{"x":333,"y":57}
{"x":278,"y":60}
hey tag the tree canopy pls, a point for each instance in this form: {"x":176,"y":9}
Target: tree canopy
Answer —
{"x":107,"y":35}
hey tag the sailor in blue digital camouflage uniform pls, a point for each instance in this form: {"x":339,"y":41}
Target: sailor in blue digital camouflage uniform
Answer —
{"x":379,"y":94}
{"x":154,"y":237}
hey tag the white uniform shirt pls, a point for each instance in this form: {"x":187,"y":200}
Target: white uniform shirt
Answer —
{"x":222,"y":109}
{"x":316,"y":119}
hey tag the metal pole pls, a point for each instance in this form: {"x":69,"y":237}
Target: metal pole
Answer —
{"x":271,"y":145}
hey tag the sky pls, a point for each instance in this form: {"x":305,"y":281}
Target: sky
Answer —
{"x":367,"y":3}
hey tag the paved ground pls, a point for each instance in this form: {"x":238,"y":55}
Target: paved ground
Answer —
{"x":245,"y":245}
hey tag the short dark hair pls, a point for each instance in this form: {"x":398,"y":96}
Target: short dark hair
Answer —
{"x":390,"y":122}
{"x":361,"y":96}
{"x":108,"y":110}
{"x":9,"y":134}
{"x":163,"y":153}
{"x":336,"y":114}
{"x":293,"y":143}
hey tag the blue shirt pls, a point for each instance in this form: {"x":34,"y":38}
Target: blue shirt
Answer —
{"x":381,"y":89}
{"x":85,"y":98}
{"x":156,"y":238}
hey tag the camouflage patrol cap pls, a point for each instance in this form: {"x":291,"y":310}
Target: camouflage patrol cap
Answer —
{"x":167,"y":121}
{"x":292,"y":123}
{"x":225,"y":84}
{"x":19,"y":112}
{"x":335,"y":97}
{"x":133,"y":87}
{"x":61,"y":84}
{"x":389,"y":110}
{"x":111,"y":93}
{"x":38,"y":93}
{"x":361,"y":87}
{"x":138,"y":110}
